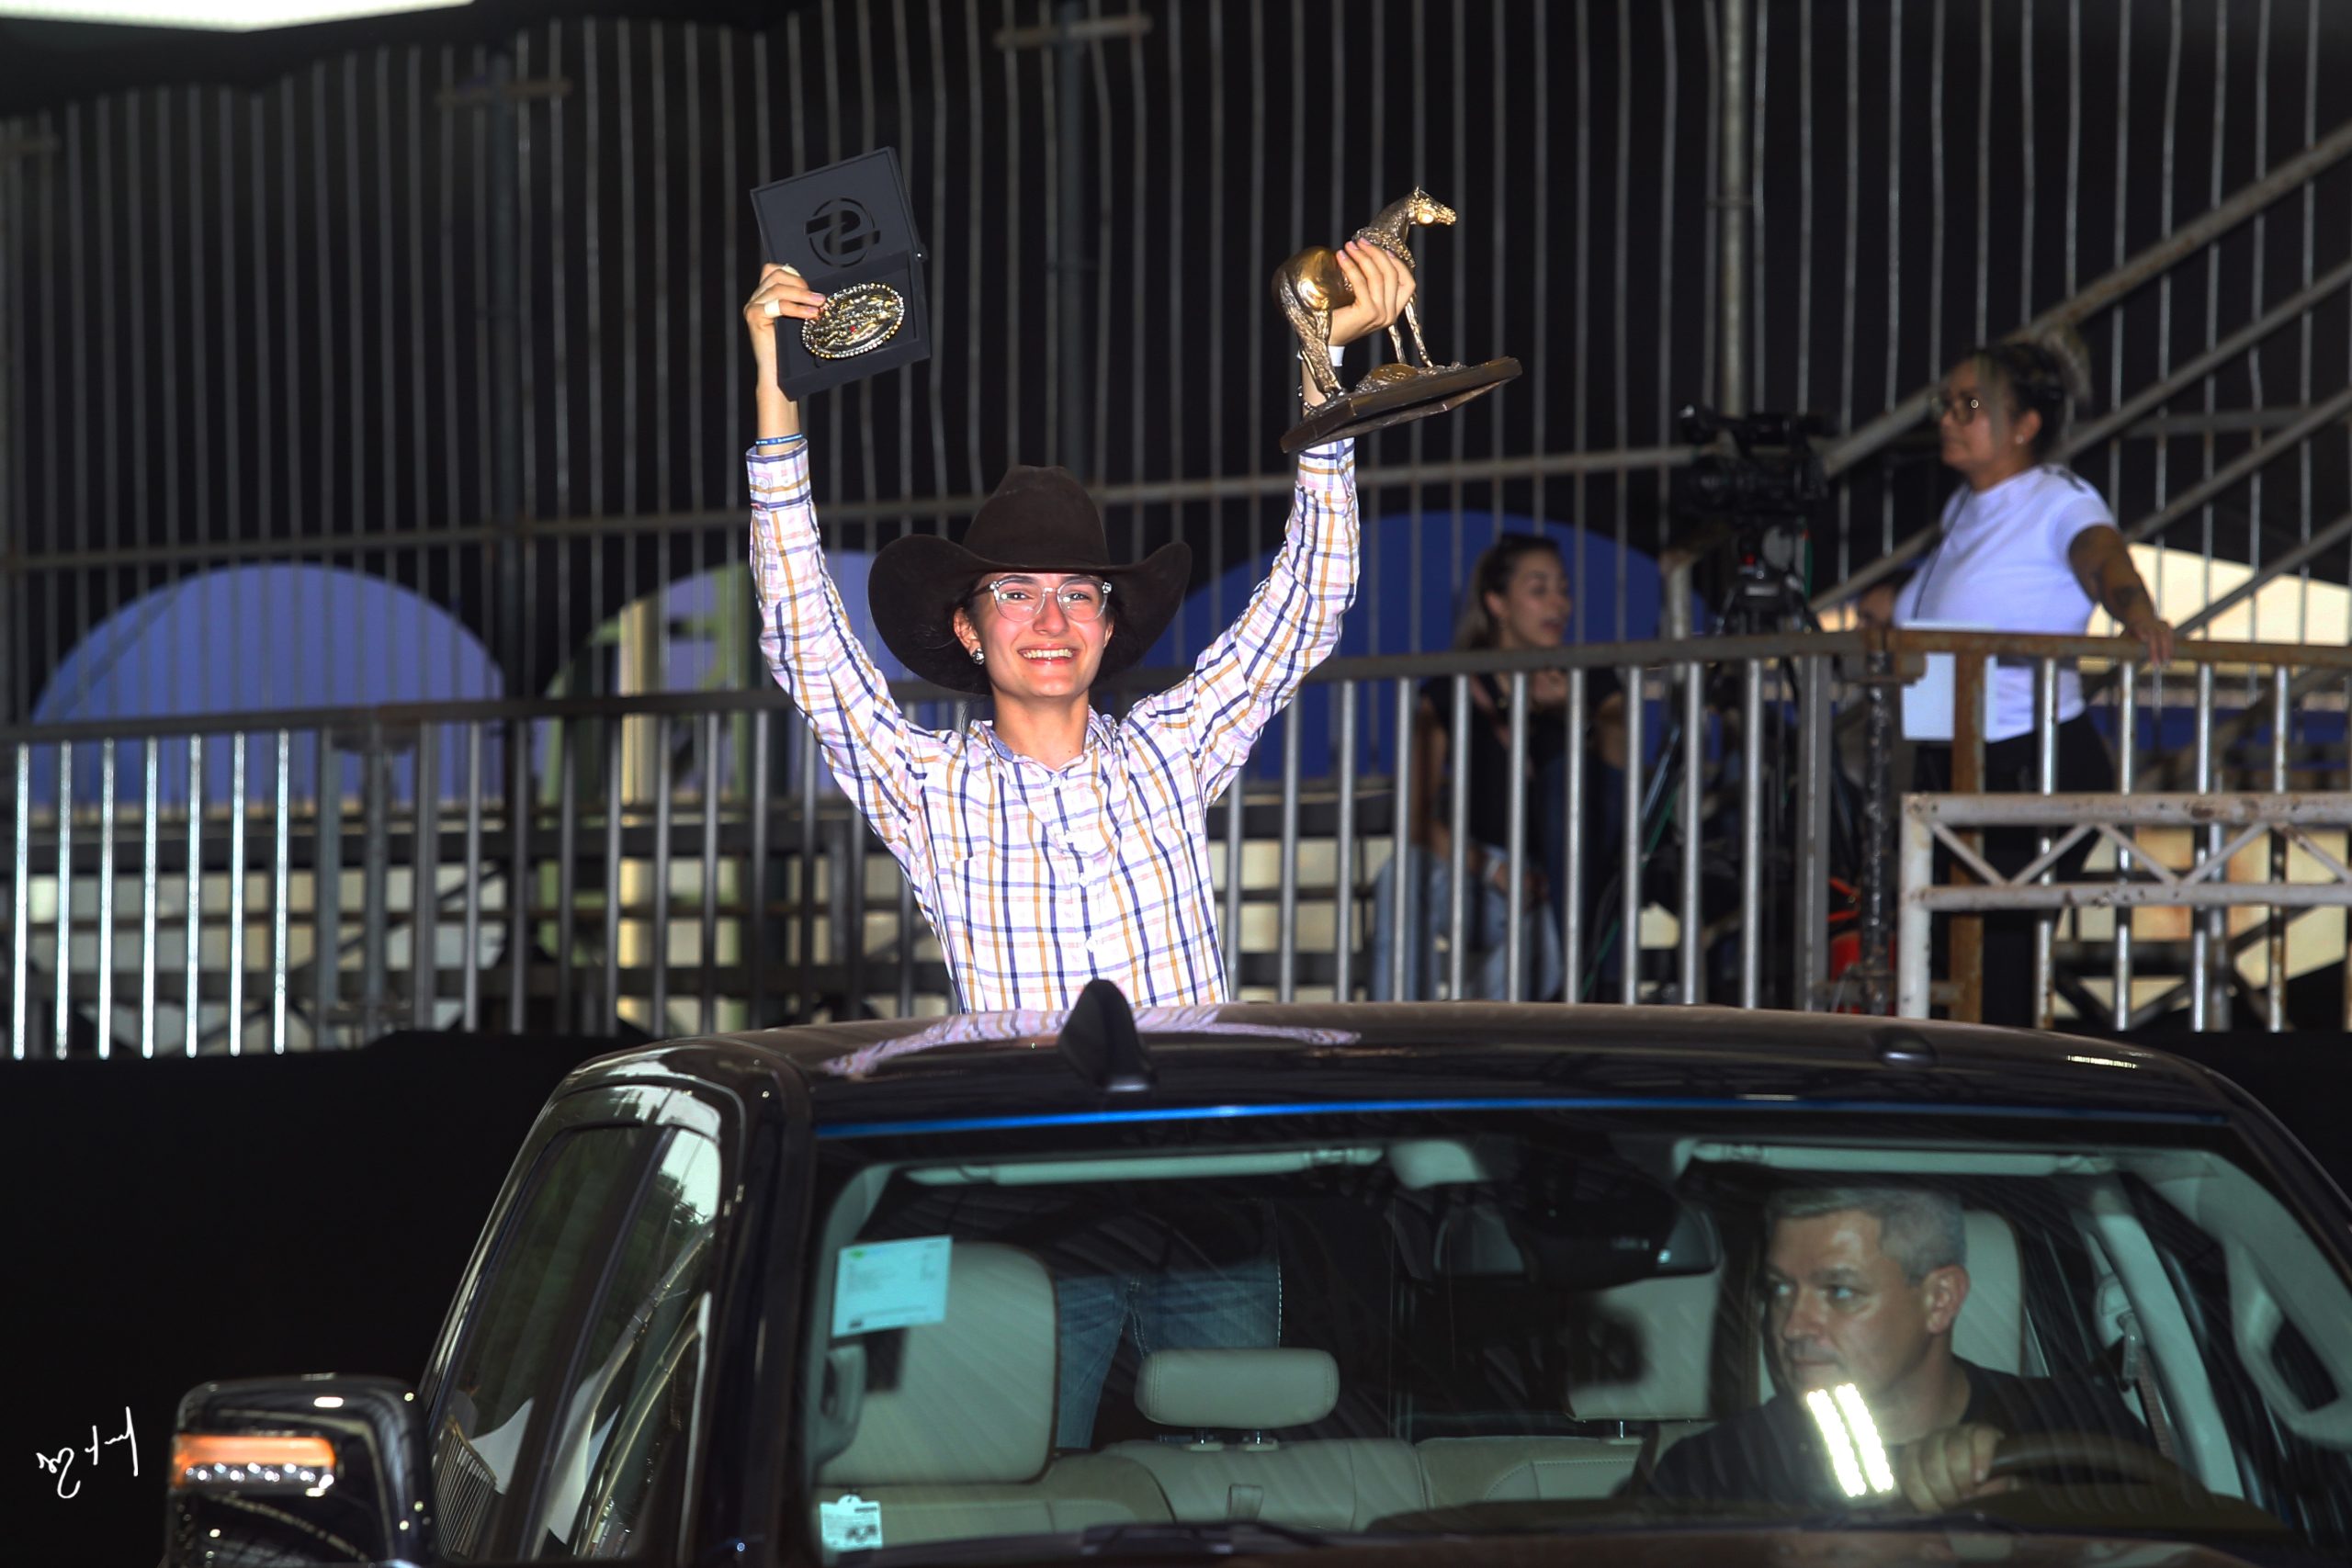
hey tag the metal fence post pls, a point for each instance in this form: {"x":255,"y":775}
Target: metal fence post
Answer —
{"x":1810,"y":938}
{"x":1343,"y":866}
{"x":1690,"y":978}
{"x":1515,"y":849}
{"x":376,"y":858}
{"x":1914,"y":989}
{"x":2127,"y":769}
{"x":2045,"y":927}
{"x":1459,"y":912}
{"x":2281,"y":726}
{"x":1751,"y":833}
{"x":326,"y":888}
{"x":64,"y":964}
{"x":1405,"y":954}
{"x":1629,"y":899}
{"x":20,"y":924}
{"x":2202,"y":963}
{"x":1731,"y":202}
{"x":1971,"y":677}
{"x":104,"y":1011}
{"x":1572,"y":850}
{"x":1878,"y":836}
{"x":191,"y":1030}
{"x":425,"y":881}
{"x":1286,"y":938}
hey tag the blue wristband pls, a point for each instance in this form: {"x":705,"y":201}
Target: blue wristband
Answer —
{"x":779,"y":440}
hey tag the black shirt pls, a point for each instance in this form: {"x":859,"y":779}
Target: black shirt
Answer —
{"x":1489,"y":755}
{"x":1773,"y":1454}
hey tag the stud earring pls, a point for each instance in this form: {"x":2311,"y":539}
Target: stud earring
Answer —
{"x":979,"y":657}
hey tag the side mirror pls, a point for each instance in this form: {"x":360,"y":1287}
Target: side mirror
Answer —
{"x":309,"y":1470}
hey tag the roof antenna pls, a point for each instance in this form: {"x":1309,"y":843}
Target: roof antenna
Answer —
{"x":1099,"y":1039}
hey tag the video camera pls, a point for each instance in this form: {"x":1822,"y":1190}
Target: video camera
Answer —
{"x":1771,"y":471}
{"x":1759,"y":496}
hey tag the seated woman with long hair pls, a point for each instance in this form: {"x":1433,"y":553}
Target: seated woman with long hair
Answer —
{"x":1518,"y":597}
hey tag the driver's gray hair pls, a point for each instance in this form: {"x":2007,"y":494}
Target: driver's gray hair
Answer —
{"x":1922,"y":1231}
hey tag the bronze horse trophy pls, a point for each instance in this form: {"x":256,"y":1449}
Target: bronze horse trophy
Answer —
{"x":1310,"y":285}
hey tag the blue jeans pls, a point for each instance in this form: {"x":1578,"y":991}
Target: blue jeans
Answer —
{"x":1238,"y":1308}
{"x":1487,"y":973}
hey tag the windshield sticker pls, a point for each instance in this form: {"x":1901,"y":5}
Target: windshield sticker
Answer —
{"x":890,"y":1284}
{"x":851,"y":1524}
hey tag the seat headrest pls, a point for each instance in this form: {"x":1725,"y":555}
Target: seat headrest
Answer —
{"x":1241,"y":1391}
{"x":1990,"y":1330}
{"x":1651,"y":1343}
{"x":974,"y":1398}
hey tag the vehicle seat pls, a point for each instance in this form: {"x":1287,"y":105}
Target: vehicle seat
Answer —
{"x":1653,"y":1379}
{"x":1991,"y":1328}
{"x":959,"y":1445}
{"x":1232,"y":1467}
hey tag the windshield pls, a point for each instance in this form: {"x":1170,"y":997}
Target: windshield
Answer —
{"x":1279,"y":1330}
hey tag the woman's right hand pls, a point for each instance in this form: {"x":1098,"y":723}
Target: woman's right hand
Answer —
{"x":1876,"y":606}
{"x":782,"y":293}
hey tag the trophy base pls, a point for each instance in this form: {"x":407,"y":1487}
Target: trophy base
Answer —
{"x":1385,"y":399}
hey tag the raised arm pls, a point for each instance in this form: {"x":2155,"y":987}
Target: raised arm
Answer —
{"x":805,"y":633}
{"x":1290,"y":625}
{"x":1292,"y":622}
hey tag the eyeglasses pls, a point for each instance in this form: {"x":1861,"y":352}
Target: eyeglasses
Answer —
{"x":1961,"y":409}
{"x":1020,"y":598}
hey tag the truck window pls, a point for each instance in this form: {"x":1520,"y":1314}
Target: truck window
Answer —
{"x":564,"y":1424}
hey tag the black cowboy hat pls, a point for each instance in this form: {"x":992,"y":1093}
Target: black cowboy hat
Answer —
{"x":1038,"y":520}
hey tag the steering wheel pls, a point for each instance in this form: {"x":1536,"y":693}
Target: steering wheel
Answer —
{"x":2041,"y":1455}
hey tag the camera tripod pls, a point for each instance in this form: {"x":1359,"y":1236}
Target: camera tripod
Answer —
{"x":1764,"y":596}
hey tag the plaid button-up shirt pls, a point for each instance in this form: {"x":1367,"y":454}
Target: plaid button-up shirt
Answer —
{"x":1039,"y":879}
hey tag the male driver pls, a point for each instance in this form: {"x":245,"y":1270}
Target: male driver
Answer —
{"x":1863,"y":1285}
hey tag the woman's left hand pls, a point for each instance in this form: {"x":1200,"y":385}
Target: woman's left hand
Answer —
{"x":1383,"y":288}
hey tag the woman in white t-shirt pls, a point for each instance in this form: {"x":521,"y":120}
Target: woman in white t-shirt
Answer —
{"x":2027,"y":545}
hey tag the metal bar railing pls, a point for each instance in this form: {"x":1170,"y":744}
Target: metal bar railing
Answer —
{"x":2206,"y":891}
{"x":1774,"y":955}
{"x":1430,"y":474}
